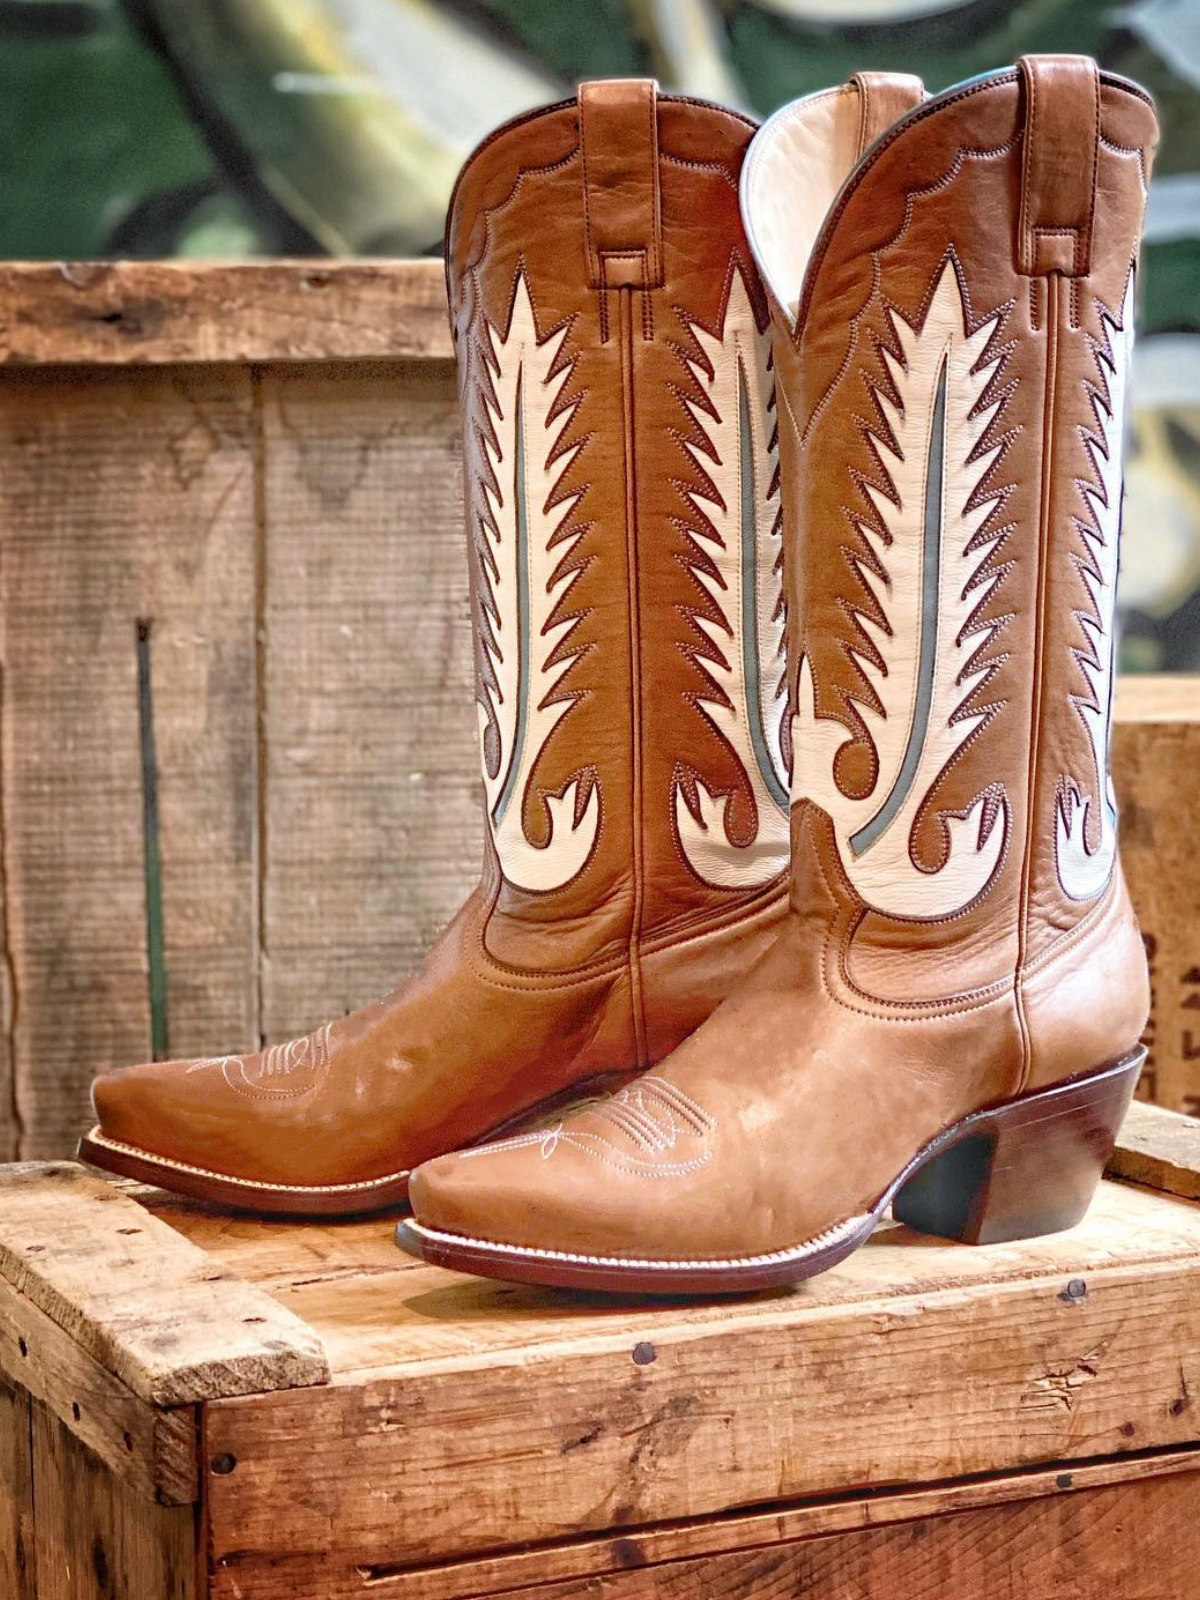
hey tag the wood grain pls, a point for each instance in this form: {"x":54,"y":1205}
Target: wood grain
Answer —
{"x":18,"y":1561}
{"x":1157,"y":697}
{"x":372,"y":832}
{"x":509,"y":1416}
{"x":1134,"y":1541}
{"x":685,"y":1559}
{"x":163,"y":1317}
{"x":155,"y":312}
{"x":377,"y":1310}
{"x":1161,"y":1149}
{"x":95,"y":1539}
{"x":152,"y":1450}
{"x":1156,"y":754}
{"x":123,"y":500}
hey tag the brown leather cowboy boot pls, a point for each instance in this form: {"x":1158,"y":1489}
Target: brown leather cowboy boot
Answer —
{"x":950,"y":1020}
{"x":623,"y":521}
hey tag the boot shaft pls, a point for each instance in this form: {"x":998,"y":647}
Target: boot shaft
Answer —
{"x":955,"y":370}
{"x":623,"y":523}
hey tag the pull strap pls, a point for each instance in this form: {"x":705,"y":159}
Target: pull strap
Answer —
{"x":622,"y":211}
{"x":882,"y":97}
{"x":1060,"y":151}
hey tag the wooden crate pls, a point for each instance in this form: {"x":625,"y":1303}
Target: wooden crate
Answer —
{"x":1156,"y":768}
{"x":238,"y":779}
{"x":238,"y":775}
{"x":200,"y":1407}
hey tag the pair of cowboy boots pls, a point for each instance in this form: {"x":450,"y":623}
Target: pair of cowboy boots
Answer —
{"x":931,"y":995}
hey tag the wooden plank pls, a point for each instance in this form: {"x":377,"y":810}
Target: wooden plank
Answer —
{"x":685,"y":1558}
{"x":123,"y":500}
{"x":510,"y":1416}
{"x":152,"y":1450}
{"x":171,"y":1323}
{"x":377,"y":1310}
{"x":1160,"y":1149}
{"x":9,"y":1114}
{"x":18,"y":1569}
{"x":1138,"y":1541}
{"x":1156,"y":754}
{"x":96,"y":1540}
{"x":154,"y":312}
{"x":372,"y":820}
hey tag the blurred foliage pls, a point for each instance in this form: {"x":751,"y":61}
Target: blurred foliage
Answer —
{"x":259,"y":127}
{"x":99,"y":152}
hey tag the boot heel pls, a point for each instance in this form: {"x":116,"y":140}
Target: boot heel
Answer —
{"x":1022,"y":1169}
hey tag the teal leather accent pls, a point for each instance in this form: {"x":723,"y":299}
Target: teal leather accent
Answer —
{"x":752,"y":666}
{"x":931,"y":561}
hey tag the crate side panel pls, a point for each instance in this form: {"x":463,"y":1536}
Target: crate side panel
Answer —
{"x":96,"y":1538}
{"x":126,"y":503}
{"x":372,"y":829}
{"x":18,"y":1574}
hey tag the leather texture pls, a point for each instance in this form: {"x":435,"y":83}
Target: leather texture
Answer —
{"x":625,"y":545}
{"x":951,"y":396}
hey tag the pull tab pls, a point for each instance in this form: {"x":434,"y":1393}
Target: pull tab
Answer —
{"x":1060,"y":149}
{"x":882,"y":97}
{"x":618,"y":121}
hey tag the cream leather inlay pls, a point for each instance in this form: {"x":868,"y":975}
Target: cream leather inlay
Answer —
{"x":931,"y":654}
{"x":1084,"y":872}
{"x":738,"y":530}
{"x":526,"y":577}
{"x":796,"y":163}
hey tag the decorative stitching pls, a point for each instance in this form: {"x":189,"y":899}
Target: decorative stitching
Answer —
{"x":148,"y":1156}
{"x":961,"y":156}
{"x":831,"y":1235}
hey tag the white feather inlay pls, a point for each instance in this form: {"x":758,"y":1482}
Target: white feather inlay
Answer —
{"x":526,"y":574}
{"x":1083,"y":873}
{"x":933,"y":579}
{"x":737,"y":530}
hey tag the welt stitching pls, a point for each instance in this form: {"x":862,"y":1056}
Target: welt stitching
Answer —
{"x":594,"y":265}
{"x":470,"y":266}
{"x":889,"y":1010}
{"x":718,"y":168}
{"x":1085,"y":242}
{"x":654,"y":268}
{"x":704,"y":926}
{"x":1127,"y":150}
{"x":1071,"y":936}
{"x":633,"y":579}
{"x":1040,"y":645}
{"x":931,"y":108}
{"x":1028,"y":253}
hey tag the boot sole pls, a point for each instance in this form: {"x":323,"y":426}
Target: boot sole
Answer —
{"x":309,"y":1200}
{"x":1017,"y":1170}
{"x":243,"y":1194}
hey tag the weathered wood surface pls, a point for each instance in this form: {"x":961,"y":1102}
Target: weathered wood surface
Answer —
{"x":485,"y":1416}
{"x":155,"y":312}
{"x":18,"y":1574}
{"x":1136,"y":1541}
{"x":372,"y":832}
{"x":1016,"y":1529}
{"x":171,"y":1323}
{"x":95,"y":1538}
{"x":123,"y":503}
{"x":151,"y":1449}
{"x":918,"y":1383}
{"x":291,"y":537}
{"x":1156,"y":756}
{"x":1161,"y":1149}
